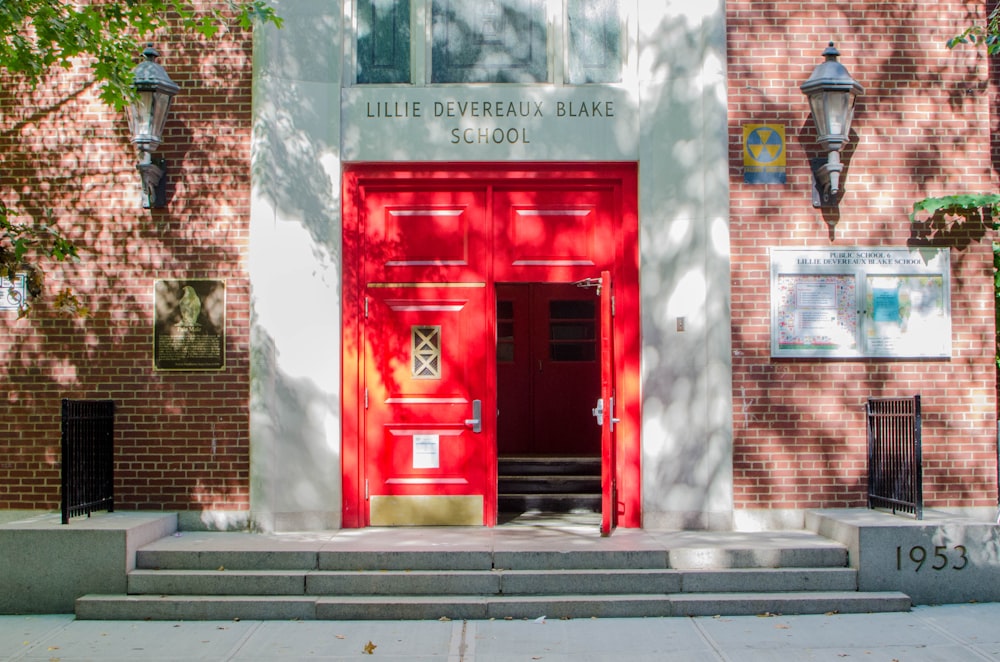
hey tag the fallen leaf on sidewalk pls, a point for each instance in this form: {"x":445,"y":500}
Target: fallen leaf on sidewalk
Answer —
{"x":369,"y":648}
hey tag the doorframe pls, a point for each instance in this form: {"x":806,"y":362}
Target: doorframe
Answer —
{"x":623,"y":180}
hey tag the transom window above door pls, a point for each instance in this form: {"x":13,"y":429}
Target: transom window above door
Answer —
{"x":434,"y":42}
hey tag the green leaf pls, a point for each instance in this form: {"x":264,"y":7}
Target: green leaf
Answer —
{"x":961,"y":204}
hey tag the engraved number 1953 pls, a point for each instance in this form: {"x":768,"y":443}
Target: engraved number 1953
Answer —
{"x":919,"y":556}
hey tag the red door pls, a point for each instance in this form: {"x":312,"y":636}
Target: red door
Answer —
{"x":606,"y":411}
{"x":429,"y":440}
{"x":548,"y":374}
{"x":429,"y":416}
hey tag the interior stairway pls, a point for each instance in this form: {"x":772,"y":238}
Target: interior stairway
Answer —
{"x":204,"y":577}
{"x":548,"y":484}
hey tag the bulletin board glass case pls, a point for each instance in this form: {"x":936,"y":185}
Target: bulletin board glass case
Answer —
{"x":861,"y":302}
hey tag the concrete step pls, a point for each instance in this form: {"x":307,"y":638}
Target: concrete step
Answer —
{"x":832,"y":555}
{"x":548,"y":484}
{"x":497,"y":582}
{"x":198,"y":607}
{"x":509,"y":465}
{"x":689,"y":557}
{"x":548,"y":502}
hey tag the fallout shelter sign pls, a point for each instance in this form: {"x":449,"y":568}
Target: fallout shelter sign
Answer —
{"x":189,"y":325}
{"x":764,"y":153}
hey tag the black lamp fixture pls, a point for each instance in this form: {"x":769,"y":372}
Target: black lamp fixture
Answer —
{"x":831,"y":91}
{"x":146,"y":117}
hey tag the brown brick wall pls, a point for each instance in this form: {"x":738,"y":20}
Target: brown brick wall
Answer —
{"x":182,"y":437}
{"x":923,"y":129}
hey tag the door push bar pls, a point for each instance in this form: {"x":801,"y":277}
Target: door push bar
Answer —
{"x":476,"y":422}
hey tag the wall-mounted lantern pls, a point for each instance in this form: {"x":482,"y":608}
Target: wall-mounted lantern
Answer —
{"x":832,"y":92}
{"x":146,"y":117}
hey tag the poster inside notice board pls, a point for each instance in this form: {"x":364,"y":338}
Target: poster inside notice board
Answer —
{"x":861,"y":302}
{"x":189,"y":324}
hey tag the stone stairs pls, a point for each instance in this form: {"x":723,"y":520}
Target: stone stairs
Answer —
{"x":601,"y":578}
{"x":549,"y":484}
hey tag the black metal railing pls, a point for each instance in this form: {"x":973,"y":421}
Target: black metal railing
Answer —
{"x":88,"y":482}
{"x":895,"y":469}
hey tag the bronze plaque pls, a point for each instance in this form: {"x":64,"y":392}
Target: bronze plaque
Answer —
{"x":189,"y":325}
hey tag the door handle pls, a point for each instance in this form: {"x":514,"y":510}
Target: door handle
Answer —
{"x":476,"y":422}
{"x":598,"y":412}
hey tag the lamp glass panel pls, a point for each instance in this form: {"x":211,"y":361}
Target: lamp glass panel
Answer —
{"x":161,"y":106}
{"x":816,"y":103}
{"x":851,"y":98}
{"x":138,"y":116}
{"x":838,"y":105}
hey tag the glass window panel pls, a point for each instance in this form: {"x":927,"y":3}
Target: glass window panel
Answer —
{"x":489,"y":41}
{"x":383,"y":41}
{"x":595,"y":34}
{"x":572,"y":330}
{"x":505,"y":331}
{"x":505,"y":353}
{"x":572,"y":309}
{"x":573,"y":352}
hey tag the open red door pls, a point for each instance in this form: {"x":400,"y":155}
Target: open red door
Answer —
{"x":606,"y":410}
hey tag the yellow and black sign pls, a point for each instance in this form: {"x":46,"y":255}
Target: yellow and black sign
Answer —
{"x":764,"y":153}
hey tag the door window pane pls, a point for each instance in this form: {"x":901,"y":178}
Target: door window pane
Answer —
{"x":595,"y":34}
{"x":572,"y":330}
{"x":383,"y":41}
{"x":425,"y":350}
{"x":488,"y":41}
{"x":505,"y":332}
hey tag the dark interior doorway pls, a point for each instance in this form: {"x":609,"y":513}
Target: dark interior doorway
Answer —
{"x":548,"y":381}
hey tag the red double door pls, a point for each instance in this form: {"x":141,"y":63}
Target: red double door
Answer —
{"x":479,"y":321}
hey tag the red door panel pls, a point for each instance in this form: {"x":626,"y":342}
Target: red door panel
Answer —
{"x":552,"y":234}
{"x":424,"y":235}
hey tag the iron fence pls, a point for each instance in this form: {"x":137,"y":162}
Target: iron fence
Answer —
{"x":895,"y":467}
{"x":88,"y":430}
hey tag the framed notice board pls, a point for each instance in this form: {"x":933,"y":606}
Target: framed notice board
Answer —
{"x":861,"y":302}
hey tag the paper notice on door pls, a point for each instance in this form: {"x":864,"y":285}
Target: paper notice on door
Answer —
{"x":426,"y":451}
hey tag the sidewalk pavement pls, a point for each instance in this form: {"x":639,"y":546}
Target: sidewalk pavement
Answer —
{"x":949,"y":633}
